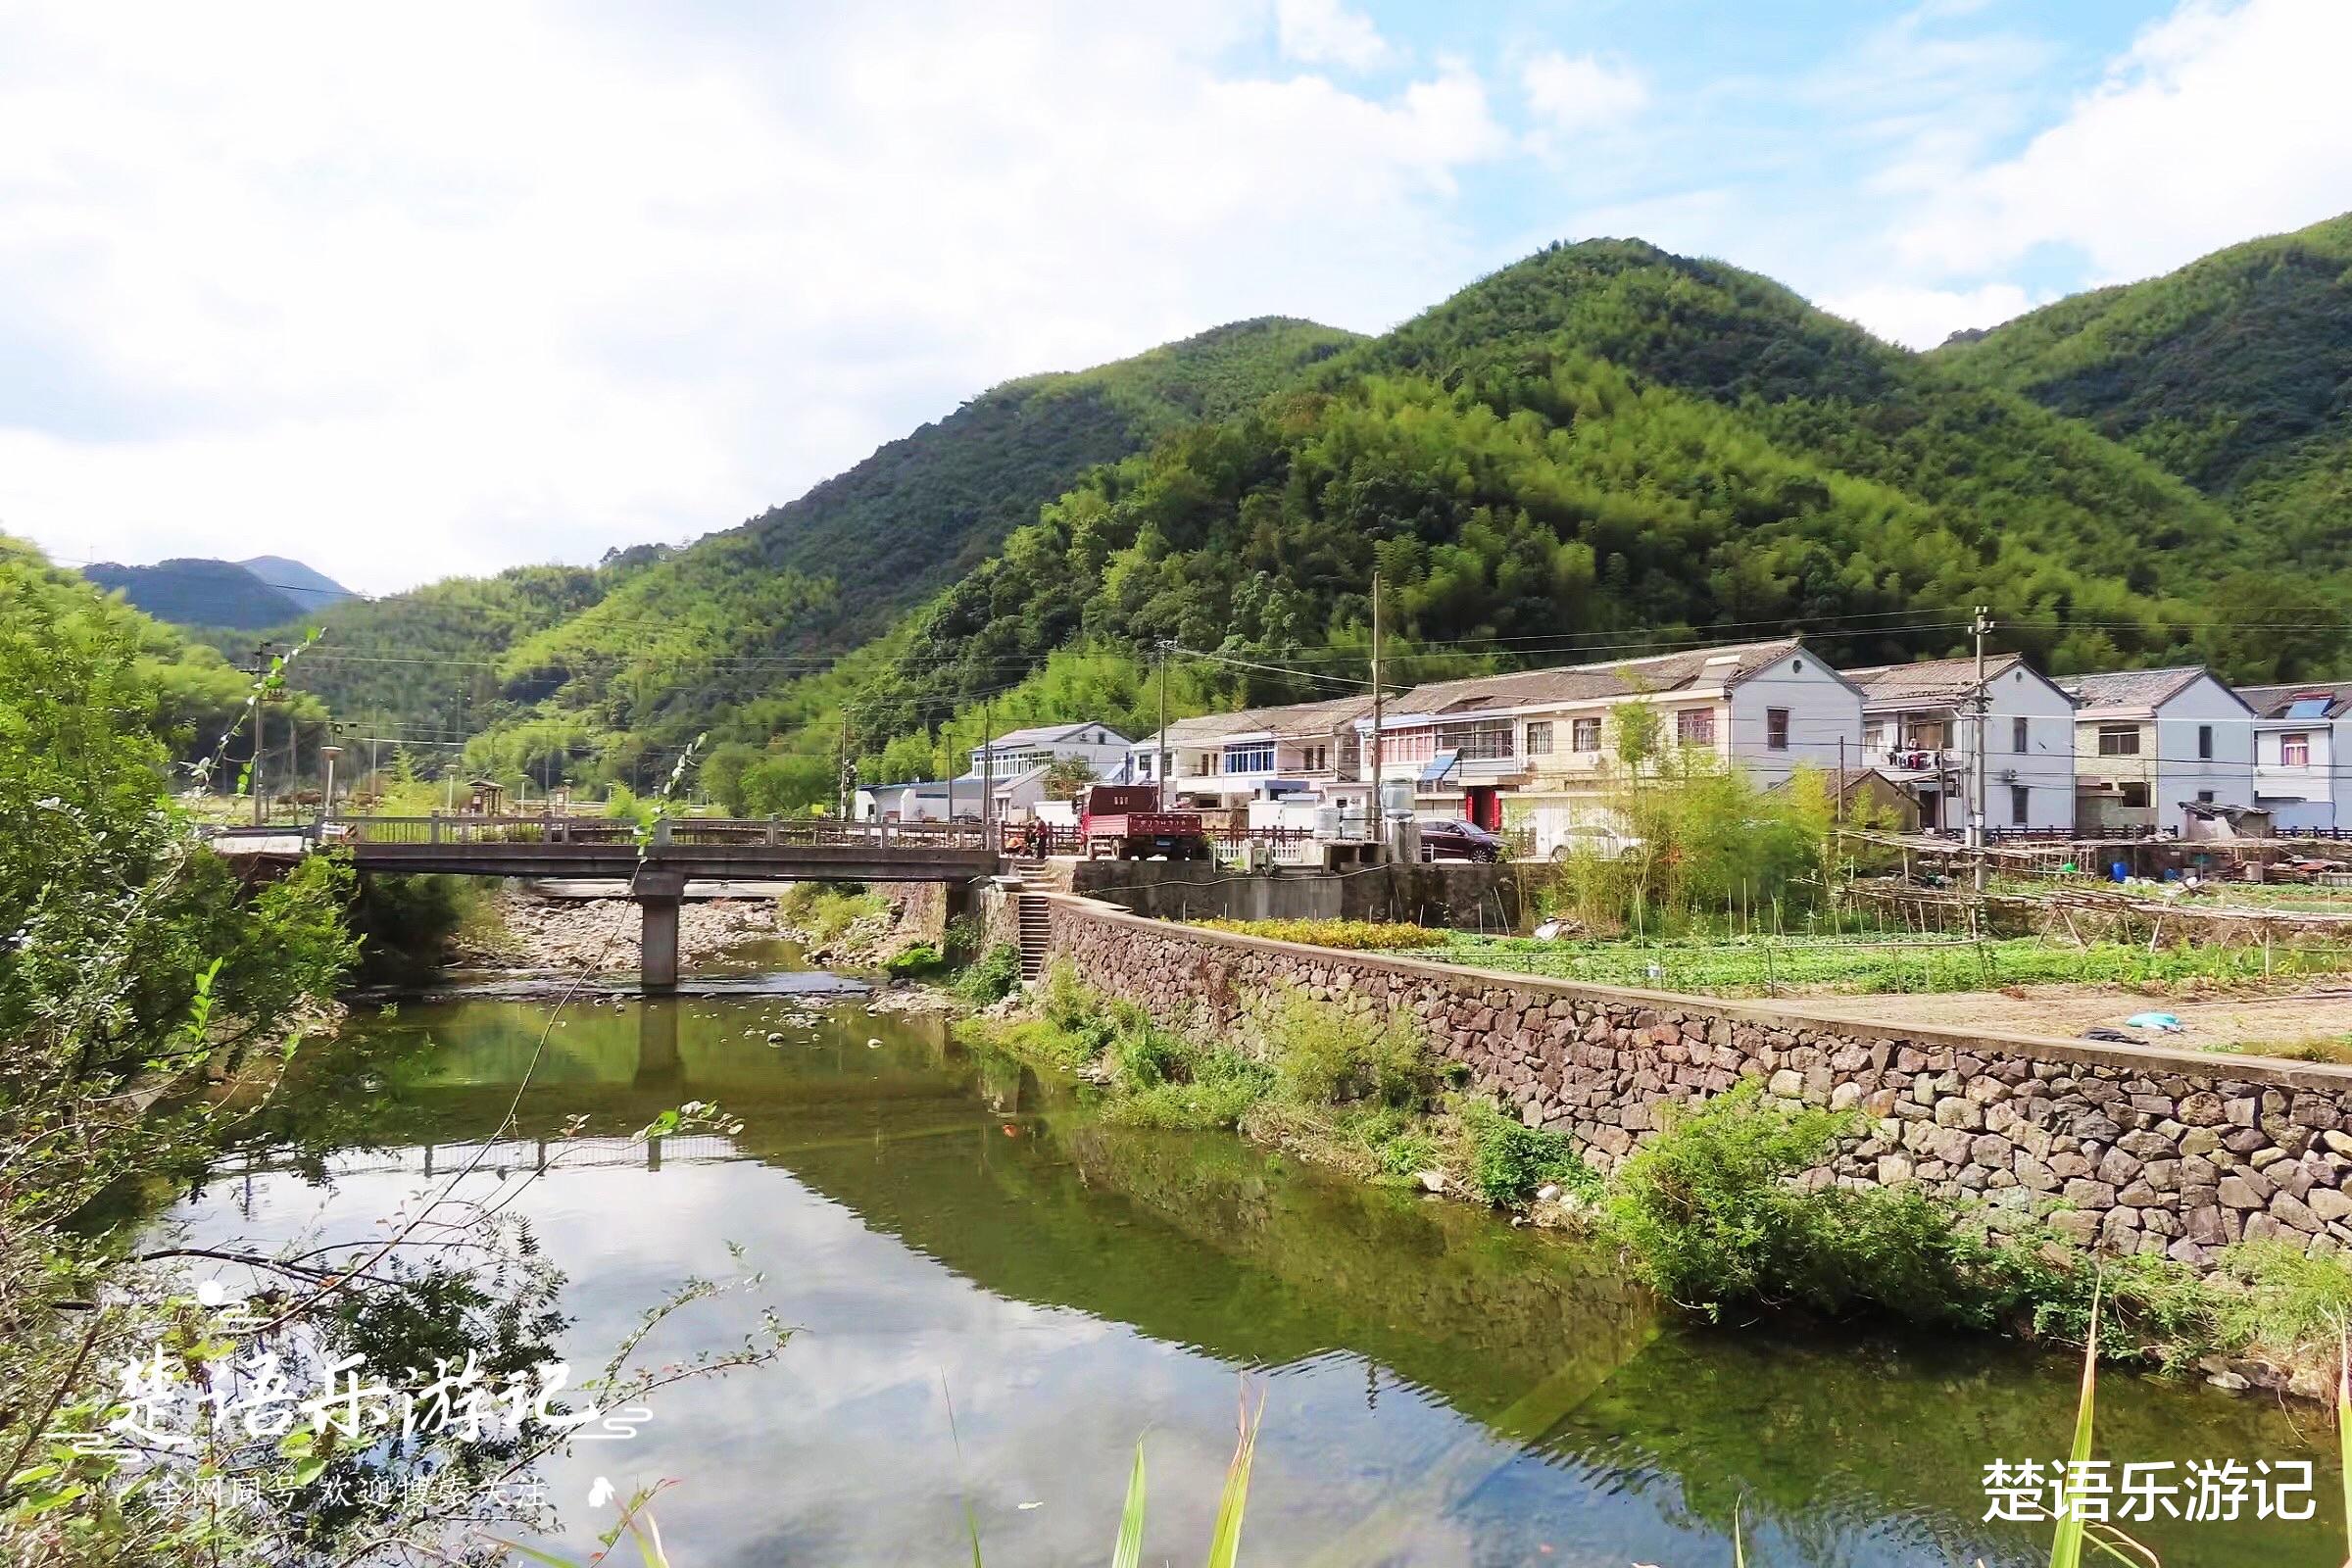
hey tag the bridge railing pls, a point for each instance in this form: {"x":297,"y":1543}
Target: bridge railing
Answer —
{"x":778,"y":832}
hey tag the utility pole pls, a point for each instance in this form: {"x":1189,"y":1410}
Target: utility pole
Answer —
{"x":1159,"y":774}
{"x":988,"y":766}
{"x":844,"y":774}
{"x":1981,"y":624}
{"x":1380,"y":815}
{"x":260,"y":727}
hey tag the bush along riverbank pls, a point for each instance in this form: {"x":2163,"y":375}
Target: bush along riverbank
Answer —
{"x":1709,"y":1212}
{"x":853,"y":928}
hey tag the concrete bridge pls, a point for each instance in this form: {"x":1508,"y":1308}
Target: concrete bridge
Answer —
{"x":657,"y":866}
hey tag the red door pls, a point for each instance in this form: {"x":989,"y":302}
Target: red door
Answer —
{"x":1483,"y":806}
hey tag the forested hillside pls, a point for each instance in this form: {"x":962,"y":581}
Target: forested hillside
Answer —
{"x":659,"y":644}
{"x":2233,"y":372}
{"x":196,"y":691}
{"x":1604,"y":448}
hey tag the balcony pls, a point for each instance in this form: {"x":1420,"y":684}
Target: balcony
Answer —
{"x":1909,"y":764}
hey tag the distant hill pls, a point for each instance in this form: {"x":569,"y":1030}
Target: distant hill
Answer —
{"x":312,"y":590}
{"x":252,"y":595}
{"x":2233,"y":372}
{"x":197,"y":592}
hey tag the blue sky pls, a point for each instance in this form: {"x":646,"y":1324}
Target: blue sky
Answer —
{"x":452,"y":288}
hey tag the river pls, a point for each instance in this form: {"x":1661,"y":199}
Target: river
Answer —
{"x":1439,"y":1388}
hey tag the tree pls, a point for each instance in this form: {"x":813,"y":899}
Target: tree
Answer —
{"x":1066,"y":776}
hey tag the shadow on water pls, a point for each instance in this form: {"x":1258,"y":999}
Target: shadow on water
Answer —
{"x":1441,"y":1388}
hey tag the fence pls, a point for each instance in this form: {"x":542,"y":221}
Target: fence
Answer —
{"x":794,"y":833}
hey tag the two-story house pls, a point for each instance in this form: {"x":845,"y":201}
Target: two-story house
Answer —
{"x":2300,"y":735}
{"x":2150,"y":742}
{"x":1019,"y":751}
{"x":1221,"y":759}
{"x":1538,"y":741}
{"x":1920,"y":729}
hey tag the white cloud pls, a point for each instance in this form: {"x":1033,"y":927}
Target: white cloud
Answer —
{"x":1326,"y":32}
{"x":496,"y":285}
{"x":1921,"y":318}
{"x":1575,"y":93}
{"x":2221,"y":123}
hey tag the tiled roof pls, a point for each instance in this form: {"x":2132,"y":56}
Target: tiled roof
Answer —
{"x":1043,"y":734}
{"x":2131,"y":688}
{"x":1294,"y":718}
{"x":1928,"y":679}
{"x":1623,"y":677}
{"x":2273,"y":702}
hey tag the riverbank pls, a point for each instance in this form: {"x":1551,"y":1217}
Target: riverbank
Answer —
{"x":1713,"y":1210}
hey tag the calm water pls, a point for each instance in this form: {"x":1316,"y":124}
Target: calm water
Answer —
{"x":1440,"y":1388}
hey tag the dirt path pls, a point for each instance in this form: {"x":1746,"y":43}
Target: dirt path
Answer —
{"x":2232,"y":1022}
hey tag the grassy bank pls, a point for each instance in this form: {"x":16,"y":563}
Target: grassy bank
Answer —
{"x":1710,"y":1212}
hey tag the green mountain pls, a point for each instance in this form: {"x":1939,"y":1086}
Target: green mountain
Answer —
{"x":1602,"y":447}
{"x":658,"y":645}
{"x":198,"y":592}
{"x":2233,"y":372}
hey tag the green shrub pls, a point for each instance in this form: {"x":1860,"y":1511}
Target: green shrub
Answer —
{"x":1705,"y":1208}
{"x":1325,"y":1055}
{"x":1361,"y":936}
{"x":920,"y":958}
{"x":1399,"y":1141}
{"x":963,"y":937}
{"x":1220,"y":1088}
{"x":1510,"y":1162}
{"x":823,"y":912}
{"x":2281,"y":1300}
{"x":992,"y":976}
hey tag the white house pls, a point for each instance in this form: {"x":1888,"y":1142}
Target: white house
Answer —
{"x":1919,"y":729}
{"x":2300,"y":732}
{"x":920,"y":801}
{"x":1017,"y":751}
{"x":2148,"y":742}
{"x":1528,"y":751}
{"x":1300,"y":750}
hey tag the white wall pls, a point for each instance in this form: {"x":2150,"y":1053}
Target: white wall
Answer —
{"x":2180,"y":772}
{"x":2045,"y":768}
{"x":2277,"y":785}
{"x":1823,"y":711}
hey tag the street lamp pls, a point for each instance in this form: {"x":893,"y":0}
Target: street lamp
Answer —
{"x":327,"y":807}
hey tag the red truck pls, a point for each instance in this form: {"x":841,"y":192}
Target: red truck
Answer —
{"x":1124,"y":821}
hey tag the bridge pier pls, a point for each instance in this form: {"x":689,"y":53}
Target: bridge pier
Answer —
{"x":657,"y":894}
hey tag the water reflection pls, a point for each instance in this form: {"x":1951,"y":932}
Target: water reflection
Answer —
{"x":1440,"y":1388}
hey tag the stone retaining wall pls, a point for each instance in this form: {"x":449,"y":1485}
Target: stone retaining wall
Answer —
{"x":2127,"y":1149}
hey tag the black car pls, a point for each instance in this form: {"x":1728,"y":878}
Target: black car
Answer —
{"x":1452,"y":839}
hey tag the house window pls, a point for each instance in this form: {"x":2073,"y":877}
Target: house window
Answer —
{"x":1776,"y":729}
{"x":1204,"y":764}
{"x":2118,"y":739}
{"x":2136,"y":794}
{"x":1584,"y":735}
{"x":2294,"y":750}
{"x":1695,"y":727}
{"x":1539,"y":738}
{"x":2020,"y":800}
{"x":2204,"y":796}
{"x":1257,"y":757}
{"x":1485,"y":741}
{"x":2019,"y":733}
{"x":2205,"y":741}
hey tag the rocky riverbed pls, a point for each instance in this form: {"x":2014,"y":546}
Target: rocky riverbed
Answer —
{"x":599,"y":934}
